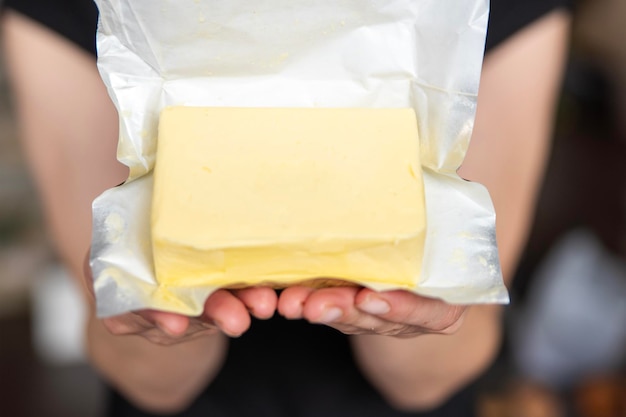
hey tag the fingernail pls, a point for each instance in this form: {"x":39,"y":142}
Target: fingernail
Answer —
{"x":331,"y":314}
{"x":375,"y":305}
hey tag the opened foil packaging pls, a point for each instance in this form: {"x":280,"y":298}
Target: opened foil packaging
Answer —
{"x":420,"y":54}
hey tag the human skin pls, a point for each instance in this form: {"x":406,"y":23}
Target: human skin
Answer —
{"x":161,"y":361}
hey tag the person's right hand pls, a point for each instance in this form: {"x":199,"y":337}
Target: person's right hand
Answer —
{"x":225,"y":311}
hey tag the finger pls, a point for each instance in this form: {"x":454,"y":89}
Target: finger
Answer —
{"x":174,"y":325}
{"x":156,"y":336}
{"x":335,"y":308}
{"x":260,"y":301}
{"x":199,"y":325}
{"x":291,"y":301}
{"x":194,"y":329}
{"x":126,"y":324}
{"x":159,"y":327}
{"x":327,"y":305}
{"x":430,"y":314}
{"x":227,"y":312}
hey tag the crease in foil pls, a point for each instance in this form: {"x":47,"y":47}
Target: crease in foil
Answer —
{"x":295,"y":53}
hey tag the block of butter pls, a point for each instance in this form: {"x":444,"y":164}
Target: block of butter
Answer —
{"x":277,"y":196}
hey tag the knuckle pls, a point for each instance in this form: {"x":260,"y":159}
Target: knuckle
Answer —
{"x":117,"y":327}
{"x":451,"y":322}
{"x":407,"y":330}
{"x":396,"y":330}
{"x":159,"y":338}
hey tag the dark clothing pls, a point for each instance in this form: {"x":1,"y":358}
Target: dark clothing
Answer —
{"x":284,"y":368}
{"x":76,"y":19}
{"x":508,"y":16}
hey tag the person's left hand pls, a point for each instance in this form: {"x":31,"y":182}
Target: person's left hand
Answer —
{"x":358,"y":311}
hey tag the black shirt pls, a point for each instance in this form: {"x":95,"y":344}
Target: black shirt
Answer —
{"x":76,"y":19}
{"x":282,"y":368}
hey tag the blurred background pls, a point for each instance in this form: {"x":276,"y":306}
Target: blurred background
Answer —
{"x":42,"y":368}
{"x":564,"y":353}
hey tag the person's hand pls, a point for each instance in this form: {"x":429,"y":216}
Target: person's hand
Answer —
{"x":224,"y":311}
{"x":359,"y":311}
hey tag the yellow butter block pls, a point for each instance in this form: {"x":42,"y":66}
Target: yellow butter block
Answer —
{"x":247,"y":196}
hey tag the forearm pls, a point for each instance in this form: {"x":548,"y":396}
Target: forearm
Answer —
{"x":68,"y":126}
{"x":155,"y":378}
{"x":509,"y":149}
{"x":421,"y":372}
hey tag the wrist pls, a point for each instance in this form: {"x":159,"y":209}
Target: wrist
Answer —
{"x":153,"y":377}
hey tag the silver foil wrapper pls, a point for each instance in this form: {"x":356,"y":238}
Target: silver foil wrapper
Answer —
{"x":296,"y":53}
